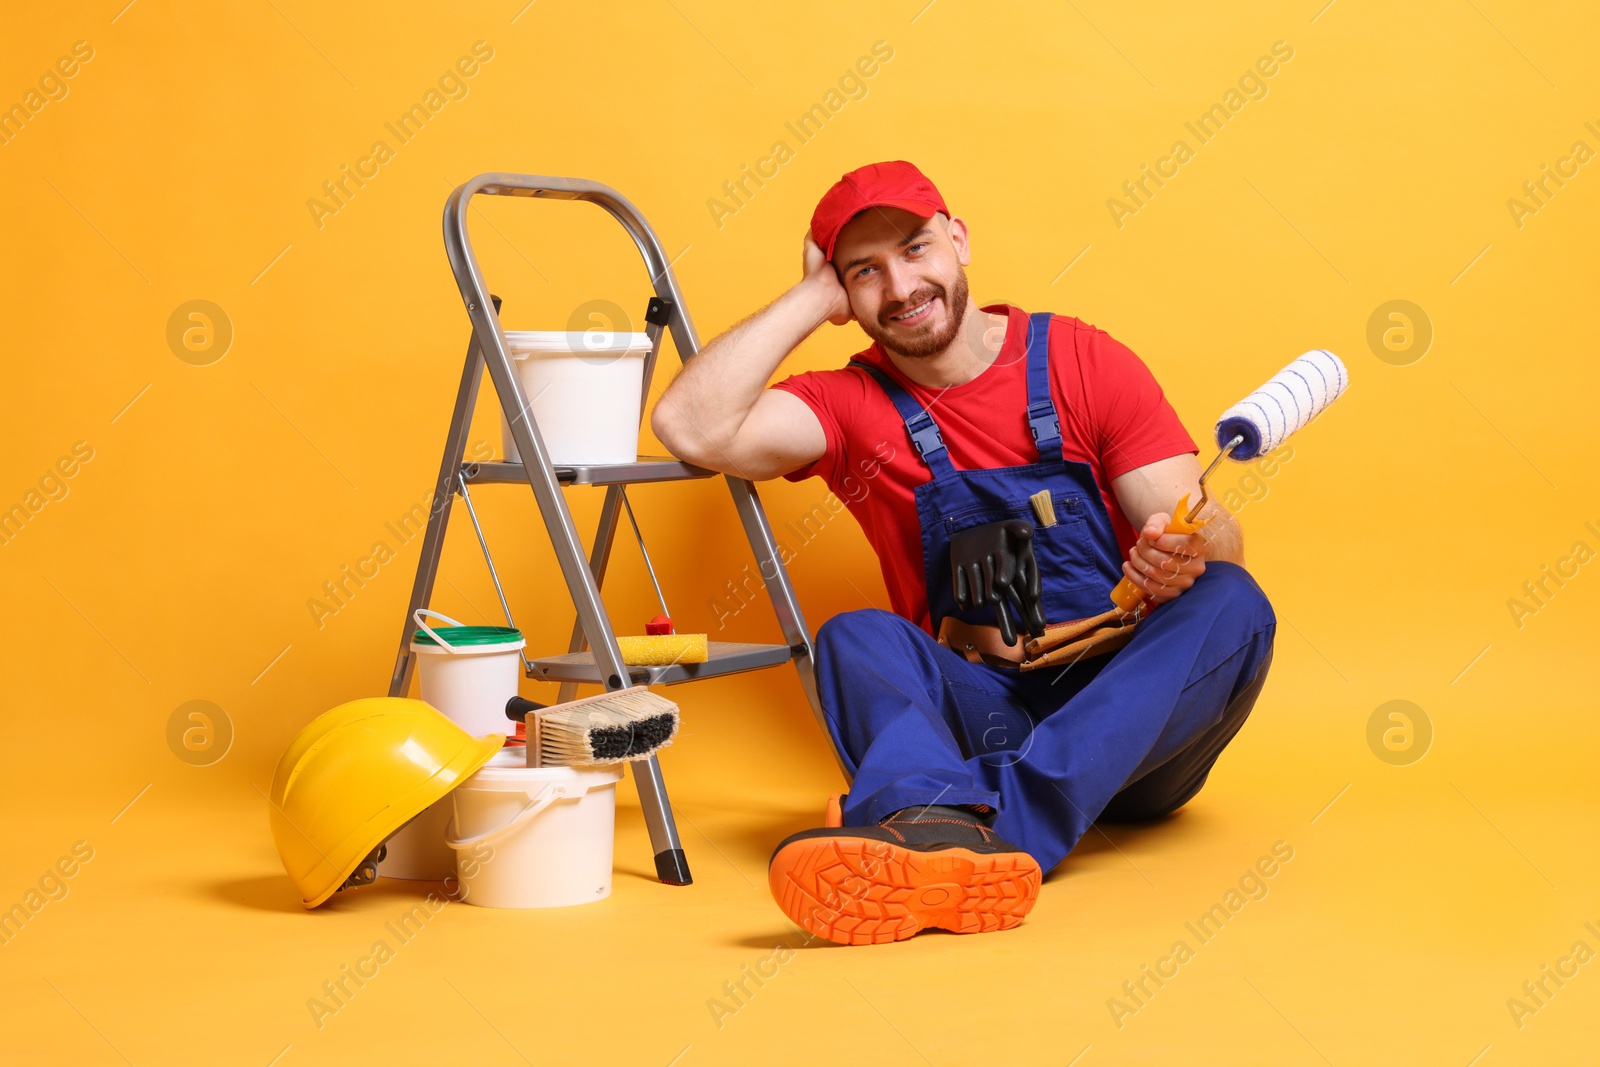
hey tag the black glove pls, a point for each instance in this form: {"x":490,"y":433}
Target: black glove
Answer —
{"x":994,"y":564}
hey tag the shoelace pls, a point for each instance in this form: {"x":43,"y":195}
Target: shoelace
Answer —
{"x":984,"y":832}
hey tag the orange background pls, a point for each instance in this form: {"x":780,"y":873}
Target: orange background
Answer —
{"x":179,"y":563}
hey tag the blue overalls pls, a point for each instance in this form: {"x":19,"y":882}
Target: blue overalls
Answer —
{"x":1129,"y":735}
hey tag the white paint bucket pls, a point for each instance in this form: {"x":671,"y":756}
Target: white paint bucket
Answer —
{"x":585,"y":391}
{"x":468,"y":672}
{"x":418,"y":850}
{"x":534,"y":837}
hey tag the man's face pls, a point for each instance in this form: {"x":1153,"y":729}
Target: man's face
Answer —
{"x":904,"y":277}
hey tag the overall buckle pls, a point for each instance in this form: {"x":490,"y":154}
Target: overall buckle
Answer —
{"x":1044,"y":424}
{"x":924,"y":434}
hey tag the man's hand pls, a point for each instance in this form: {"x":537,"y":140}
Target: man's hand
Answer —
{"x":1163,"y":565}
{"x":819,"y":274}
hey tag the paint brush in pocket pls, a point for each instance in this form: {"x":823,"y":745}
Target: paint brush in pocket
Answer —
{"x":1043,"y":507}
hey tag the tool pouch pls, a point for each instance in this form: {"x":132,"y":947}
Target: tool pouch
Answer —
{"x":1068,"y":642}
{"x":1063,"y":642}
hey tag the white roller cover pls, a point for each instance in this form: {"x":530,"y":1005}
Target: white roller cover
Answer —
{"x":1293,"y":397}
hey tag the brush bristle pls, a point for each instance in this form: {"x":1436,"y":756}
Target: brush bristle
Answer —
{"x":1044,"y":507}
{"x":609,"y":728}
{"x":608,"y":744}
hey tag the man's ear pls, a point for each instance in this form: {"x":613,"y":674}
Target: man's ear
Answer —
{"x":956,"y":227}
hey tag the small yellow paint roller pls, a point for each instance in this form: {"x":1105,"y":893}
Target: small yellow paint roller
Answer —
{"x":661,"y":650}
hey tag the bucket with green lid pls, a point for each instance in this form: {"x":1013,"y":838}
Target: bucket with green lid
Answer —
{"x":467,"y":672}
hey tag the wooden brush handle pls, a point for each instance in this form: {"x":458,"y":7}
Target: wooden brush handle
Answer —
{"x":535,"y":745}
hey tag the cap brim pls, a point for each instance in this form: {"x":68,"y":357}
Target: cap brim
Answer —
{"x":921,"y":208}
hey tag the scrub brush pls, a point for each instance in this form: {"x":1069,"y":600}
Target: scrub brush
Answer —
{"x":628,"y":724}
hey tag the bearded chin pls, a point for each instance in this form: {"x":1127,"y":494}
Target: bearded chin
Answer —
{"x":934,"y":341}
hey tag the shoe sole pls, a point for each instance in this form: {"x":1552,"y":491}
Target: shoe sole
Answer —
{"x":856,"y":891}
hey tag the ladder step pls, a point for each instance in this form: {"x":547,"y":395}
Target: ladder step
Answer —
{"x":646,"y":469}
{"x":725,"y":657}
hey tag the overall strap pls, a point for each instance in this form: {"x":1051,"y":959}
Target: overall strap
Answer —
{"x":1042,"y":419}
{"x":919,"y":423}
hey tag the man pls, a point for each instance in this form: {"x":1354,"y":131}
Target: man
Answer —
{"x":973,"y":772}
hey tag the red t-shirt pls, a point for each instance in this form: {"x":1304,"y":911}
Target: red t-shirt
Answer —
{"x":1114,"y":417}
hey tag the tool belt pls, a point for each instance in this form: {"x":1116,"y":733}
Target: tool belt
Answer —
{"x":1062,"y":643}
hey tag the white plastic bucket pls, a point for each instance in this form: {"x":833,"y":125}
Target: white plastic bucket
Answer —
{"x":418,"y":850}
{"x":534,"y":837}
{"x":468,"y":672}
{"x":585,"y":391}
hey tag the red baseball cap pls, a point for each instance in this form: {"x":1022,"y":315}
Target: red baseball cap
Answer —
{"x":892,"y":184}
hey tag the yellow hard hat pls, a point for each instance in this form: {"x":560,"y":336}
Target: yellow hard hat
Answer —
{"x":357,"y":774}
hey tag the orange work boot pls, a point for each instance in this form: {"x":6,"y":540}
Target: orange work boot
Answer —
{"x":833,"y":815}
{"x":922,"y":867}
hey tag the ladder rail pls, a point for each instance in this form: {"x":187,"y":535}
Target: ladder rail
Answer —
{"x":599,"y":560}
{"x":785,"y":603}
{"x":606,"y":529}
{"x":455,"y":450}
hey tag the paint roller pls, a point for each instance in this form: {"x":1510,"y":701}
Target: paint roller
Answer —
{"x":1259,"y":423}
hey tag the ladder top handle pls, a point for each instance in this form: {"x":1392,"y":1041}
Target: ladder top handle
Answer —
{"x":662,"y":307}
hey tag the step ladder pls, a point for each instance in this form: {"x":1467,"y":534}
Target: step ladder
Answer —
{"x":592,"y":655}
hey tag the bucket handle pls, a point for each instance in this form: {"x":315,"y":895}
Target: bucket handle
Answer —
{"x":420,"y":612}
{"x":537,"y":803}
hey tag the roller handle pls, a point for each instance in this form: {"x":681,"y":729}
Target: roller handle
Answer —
{"x":1128,"y":596}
